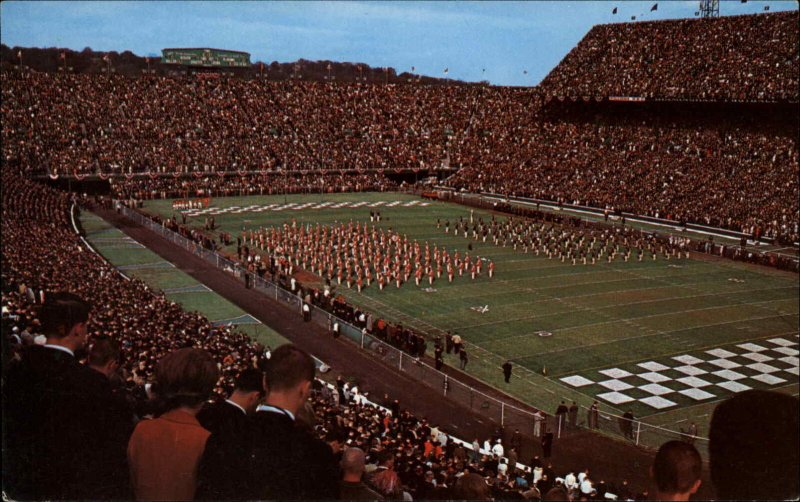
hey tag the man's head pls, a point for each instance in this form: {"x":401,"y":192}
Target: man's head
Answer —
{"x":556,"y":494}
{"x":754,"y":447}
{"x":386,"y":459}
{"x":335,"y":438}
{"x":353,"y":461}
{"x":104,"y":355}
{"x":249,"y":390}
{"x":186,"y":377}
{"x":287,"y":377}
{"x":64,"y":318}
{"x":676,"y":471}
{"x":471,"y":487}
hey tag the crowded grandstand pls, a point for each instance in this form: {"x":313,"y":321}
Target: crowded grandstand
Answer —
{"x":113,"y":391}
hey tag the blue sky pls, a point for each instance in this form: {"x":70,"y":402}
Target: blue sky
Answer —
{"x":505,"y":38}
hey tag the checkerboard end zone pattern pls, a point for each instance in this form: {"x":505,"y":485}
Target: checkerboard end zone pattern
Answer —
{"x":697,"y":377}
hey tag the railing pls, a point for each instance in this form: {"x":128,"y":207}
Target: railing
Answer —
{"x":500,"y":412}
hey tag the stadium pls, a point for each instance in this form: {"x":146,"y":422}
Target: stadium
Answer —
{"x":223,"y":279}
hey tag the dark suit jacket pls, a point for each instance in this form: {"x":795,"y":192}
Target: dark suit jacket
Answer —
{"x":222,"y":416}
{"x":224,"y":469}
{"x":64,"y":433}
{"x":289,"y":463}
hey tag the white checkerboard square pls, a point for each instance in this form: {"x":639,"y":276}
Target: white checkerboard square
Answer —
{"x":751,"y":347}
{"x":734,"y":386}
{"x":656,"y":389}
{"x":790,"y":360}
{"x":729,"y":375}
{"x":691,"y":370}
{"x":657,"y":402}
{"x":697,"y":394}
{"x":794,"y":371}
{"x":615,"y":373}
{"x":781,"y":341}
{"x":724,"y":363}
{"x":654,"y":377}
{"x":616,"y":385}
{"x":720,"y":353}
{"x":763,"y":368}
{"x":768,"y":379}
{"x":687,"y":359}
{"x":788,"y":351}
{"x":653,"y":366}
{"x":758,"y":357}
{"x":576,"y":381}
{"x":615,"y":397}
{"x":693,"y":382}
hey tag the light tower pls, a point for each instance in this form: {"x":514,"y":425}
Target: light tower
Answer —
{"x":709,"y":8}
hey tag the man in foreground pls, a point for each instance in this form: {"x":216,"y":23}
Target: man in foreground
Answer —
{"x":287,"y":462}
{"x":61,"y":439}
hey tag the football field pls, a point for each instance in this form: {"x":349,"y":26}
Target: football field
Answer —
{"x":666,"y":340}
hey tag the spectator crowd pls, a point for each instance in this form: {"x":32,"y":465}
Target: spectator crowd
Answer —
{"x":165,"y":137}
{"x":745,"y":58}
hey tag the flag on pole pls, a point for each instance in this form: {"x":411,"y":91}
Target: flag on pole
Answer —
{"x":633,"y":18}
{"x":329,"y":67}
{"x":524,"y":72}
{"x":614,"y":11}
{"x":413,"y":69}
{"x":766,"y":7}
{"x":654,"y":7}
{"x":446,"y":70}
{"x":106,"y":58}
{"x":19,"y":54}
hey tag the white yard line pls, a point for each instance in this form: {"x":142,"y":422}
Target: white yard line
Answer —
{"x":634,"y":319}
{"x":656,"y":333}
{"x":615,"y":305}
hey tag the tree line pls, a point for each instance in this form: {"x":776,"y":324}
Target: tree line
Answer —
{"x":88,"y":61}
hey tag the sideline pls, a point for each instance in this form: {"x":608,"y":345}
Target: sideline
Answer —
{"x":89,"y":246}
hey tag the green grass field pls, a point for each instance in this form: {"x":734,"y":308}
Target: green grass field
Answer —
{"x":134,"y":260}
{"x":601,"y":317}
